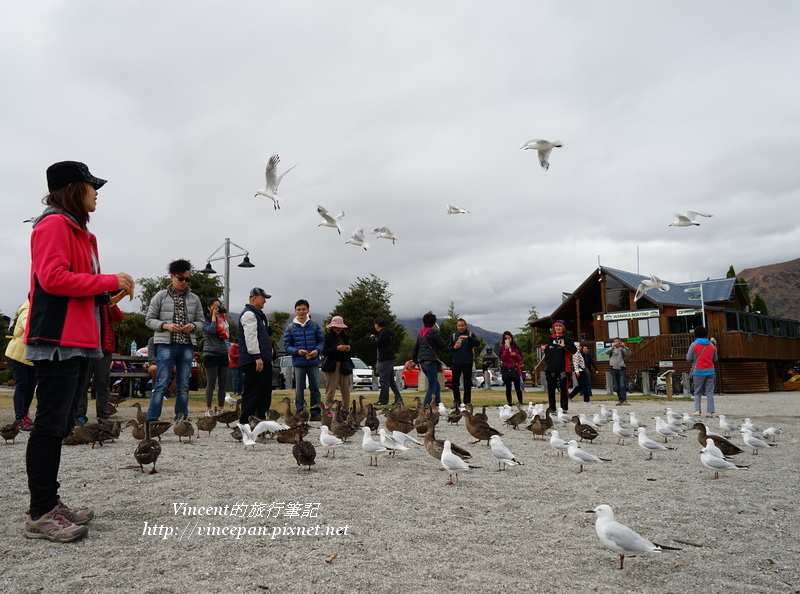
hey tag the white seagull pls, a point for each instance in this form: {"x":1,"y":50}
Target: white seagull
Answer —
{"x":727,"y":426}
{"x":558,"y":444}
{"x":635,"y":422}
{"x":249,"y":437}
{"x":32,"y":220}
{"x":754,"y":442}
{"x":666,"y":430}
{"x":456,"y":210}
{"x":357,"y":239}
{"x":370,"y":446}
{"x":450,"y":462}
{"x":618,"y":537}
{"x":330,"y":221}
{"x":653,"y":283}
{"x":648,"y":445}
{"x":712,"y":449}
{"x":621,"y":433}
{"x":273,"y":180}
{"x":328,"y":440}
{"x":688,"y":219}
{"x":390,"y":443}
{"x":402,"y":438}
{"x":711,"y":462}
{"x":502,"y":453}
{"x":384,"y":233}
{"x":581,"y":456}
{"x":748,"y":425}
{"x":543,"y":147}
{"x":772,"y":432}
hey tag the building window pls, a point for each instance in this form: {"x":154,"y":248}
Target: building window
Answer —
{"x":683,"y":324}
{"x":618,"y":296}
{"x":648,"y":327}
{"x":731,"y":321}
{"x":618,"y":329}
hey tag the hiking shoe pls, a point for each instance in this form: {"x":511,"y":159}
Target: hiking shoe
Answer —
{"x":82,"y":421}
{"x":27,"y":424}
{"x":53,"y":526}
{"x":698,"y":413}
{"x":209,"y":413}
{"x":78,"y":516}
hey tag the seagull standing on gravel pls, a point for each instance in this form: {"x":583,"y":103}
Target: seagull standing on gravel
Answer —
{"x":648,"y":445}
{"x":754,"y":442}
{"x":748,"y":425}
{"x":452,"y":463}
{"x":456,"y":210}
{"x":621,"y":433}
{"x":273,"y":180}
{"x":543,"y":147}
{"x":711,"y":462}
{"x":558,"y":444}
{"x":502,"y":453}
{"x":372,"y":447}
{"x":653,"y":283}
{"x":618,"y":537}
{"x":581,"y":456}
{"x":357,"y":239}
{"x":725,"y":425}
{"x":688,"y":220}
{"x":330,"y":221}
{"x":635,"y":422}
{"x":772,"y":432}
{"x":328,"y":440}
{"x":384,"y":233}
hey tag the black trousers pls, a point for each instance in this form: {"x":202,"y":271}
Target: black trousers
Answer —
{"x":257,"y":391}
{"x":60,"y":385}
{"x":557,"y":380}
{"x":462,"y":370}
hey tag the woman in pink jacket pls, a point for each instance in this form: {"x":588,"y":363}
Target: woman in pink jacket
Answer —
{"x":62,"y":335}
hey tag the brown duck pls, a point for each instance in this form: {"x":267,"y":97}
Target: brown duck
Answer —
{"x":537,"y":427}
{"x":583,"y":430}
{"x":141,"y":416}
{"x":289,"y":417}
{"x":10,"y":431}
{"x":436,"y":446}
{"x":396,"y":421}
{"x":339,"y":427}
{"x":455,"y":416}
{"x":183,"y":428}
{"x":289,"y":435}
{"x":206,"y":424}
{"x":113,"y":427}
{"x":517,"y":418}
{"x":230,"y":416}
{"x":371,"y":420}
{"x":480,"y":431}
{"x":727,"y":448}
{"x":303,"y":451}
{"x":479,"y":416}
{"x":91,"y":433}
{"x":148,"y":450}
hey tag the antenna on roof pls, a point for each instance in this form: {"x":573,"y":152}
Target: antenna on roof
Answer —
{"x":637,"y":258}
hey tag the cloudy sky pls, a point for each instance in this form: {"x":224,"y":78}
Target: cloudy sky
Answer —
{"x":392,"y":110}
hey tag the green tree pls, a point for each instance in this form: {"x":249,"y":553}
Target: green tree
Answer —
{"x":406,"y":349}
{"x":278,"y":321}
{"x":528,"y":341}
{"x":132,"y":327}
{"x":202,"y":285}
{"x":759,"y":305}
{"x":731,"y":272}
{"x":365,"y":300}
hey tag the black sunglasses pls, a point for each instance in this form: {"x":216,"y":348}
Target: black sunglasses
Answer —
{"x":183,"y":279}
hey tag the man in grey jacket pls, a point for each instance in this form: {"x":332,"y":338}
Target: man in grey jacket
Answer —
{"x":616,"y":359}
{"x":175,"y":314}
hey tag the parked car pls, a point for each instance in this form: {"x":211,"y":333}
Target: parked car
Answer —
{"x":410,"y":377}
{"x":495,"y":377}
{"x":478,"y":379}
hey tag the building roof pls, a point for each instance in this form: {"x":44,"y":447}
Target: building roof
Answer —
{"x":714,"y":290}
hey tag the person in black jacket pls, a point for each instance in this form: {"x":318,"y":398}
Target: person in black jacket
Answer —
{"x":462,"y":345}
{"x":558,"y":355}
{"x":384,"y":342}
{"x":338,"y":365}
{"x":426,"y":353}
{"x":585,"y":381}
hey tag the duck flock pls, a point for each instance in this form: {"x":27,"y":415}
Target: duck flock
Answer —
{"x":401,"y":431}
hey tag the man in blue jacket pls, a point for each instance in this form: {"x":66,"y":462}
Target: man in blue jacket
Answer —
{"x":303,"y":340}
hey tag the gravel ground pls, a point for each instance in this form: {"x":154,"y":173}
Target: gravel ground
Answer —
{"x":398,"y":527}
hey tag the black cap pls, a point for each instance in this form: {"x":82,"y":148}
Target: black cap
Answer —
{"x":259,"y":292}
{"x":66,"y":172}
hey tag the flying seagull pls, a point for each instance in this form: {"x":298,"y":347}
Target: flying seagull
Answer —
{"x":273,"y":180}
{"x":357,"y":238}
{"x":653,"y":283}
{"x":384,"y":233}
{"x":543,"y":147}
{"x":618,"y":537}
{"x":330,"y":221}
{"x":32,"y":220}
{"x":456,"y":210}
{"x":688,"y":219}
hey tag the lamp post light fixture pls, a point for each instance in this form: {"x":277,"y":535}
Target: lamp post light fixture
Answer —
{"x":227,"y":257}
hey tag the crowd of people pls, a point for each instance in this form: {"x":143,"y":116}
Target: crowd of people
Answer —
{"x":63,"y":341}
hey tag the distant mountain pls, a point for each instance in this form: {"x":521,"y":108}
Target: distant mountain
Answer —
{"x":778,"y":284}
{"x":414,"y":325}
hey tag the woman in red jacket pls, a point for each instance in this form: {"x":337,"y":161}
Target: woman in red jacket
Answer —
{"x":62,"y":336}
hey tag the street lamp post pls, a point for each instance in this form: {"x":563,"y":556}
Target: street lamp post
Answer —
{"x":227,"y":257}
{"x":692,"y":290}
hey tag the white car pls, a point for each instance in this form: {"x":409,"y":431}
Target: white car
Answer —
{"x":362,"y":375}
{"x":478,"y":379}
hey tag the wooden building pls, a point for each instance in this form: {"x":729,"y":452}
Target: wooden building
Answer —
{"x":753,"y":349}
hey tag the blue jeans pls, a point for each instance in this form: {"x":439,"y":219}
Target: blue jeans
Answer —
{"x":618,"y":377}
{"x":431,"y":371}
{"x":704,"y":384}
{"x":300,"y":375}
{"x":168,"y":356}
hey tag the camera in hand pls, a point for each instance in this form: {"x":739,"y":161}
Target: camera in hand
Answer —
{"x":221,"y":310}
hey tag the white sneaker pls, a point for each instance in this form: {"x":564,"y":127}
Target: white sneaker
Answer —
{"x":698,"y":413}
{"x":209,"y":413}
